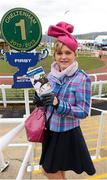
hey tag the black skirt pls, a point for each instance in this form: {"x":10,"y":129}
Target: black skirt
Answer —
{"x":62,"y":151}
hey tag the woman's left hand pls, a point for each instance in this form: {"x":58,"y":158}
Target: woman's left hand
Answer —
{"x":55,"y":101}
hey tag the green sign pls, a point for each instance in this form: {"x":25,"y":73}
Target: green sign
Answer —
{"x":21,"y":29}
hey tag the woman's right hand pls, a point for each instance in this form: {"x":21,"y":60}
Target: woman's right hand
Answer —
{"x":36,"y":100}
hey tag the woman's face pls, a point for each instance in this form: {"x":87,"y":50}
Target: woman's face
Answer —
{"x":64,"y":57}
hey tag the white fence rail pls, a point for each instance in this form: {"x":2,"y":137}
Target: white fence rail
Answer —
{"x":100,"y":85}
{"x":25,"y":100}
{"x":96,"y":75}
{"x":100,"y":131}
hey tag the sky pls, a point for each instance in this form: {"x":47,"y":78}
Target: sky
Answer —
{"x":86,"y":15}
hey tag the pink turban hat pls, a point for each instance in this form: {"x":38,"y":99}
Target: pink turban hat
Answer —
{"x":62,"y":31}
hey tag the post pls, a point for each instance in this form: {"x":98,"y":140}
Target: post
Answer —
{"x":100,"y":89}
{"x":4,"y":95}
{"x":100,"y":134}
{"x":26,"y":96}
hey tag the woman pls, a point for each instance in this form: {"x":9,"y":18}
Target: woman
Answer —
{"x":64,"y":147}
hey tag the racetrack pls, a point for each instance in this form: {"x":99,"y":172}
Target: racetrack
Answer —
{"x":98,"y":70}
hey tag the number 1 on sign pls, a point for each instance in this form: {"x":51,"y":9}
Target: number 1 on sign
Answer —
{"x":21,"y":24}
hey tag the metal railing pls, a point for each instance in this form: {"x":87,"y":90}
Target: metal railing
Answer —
{"x":100,"y":131}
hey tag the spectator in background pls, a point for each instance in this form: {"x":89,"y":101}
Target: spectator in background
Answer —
{"x":100,"y":53}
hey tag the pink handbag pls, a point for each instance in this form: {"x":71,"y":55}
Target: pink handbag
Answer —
{"x":35,"y":125}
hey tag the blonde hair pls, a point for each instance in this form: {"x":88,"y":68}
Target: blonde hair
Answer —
{"x":58,"y":46}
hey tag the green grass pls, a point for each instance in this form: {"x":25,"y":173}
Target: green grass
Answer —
{"x":6,"y":68}
{"x":89,"y":63}
{"x":46,"y":63}
{"x":85,"y":63}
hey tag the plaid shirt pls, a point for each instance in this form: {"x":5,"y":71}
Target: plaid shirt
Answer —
{"x":74,"y":94}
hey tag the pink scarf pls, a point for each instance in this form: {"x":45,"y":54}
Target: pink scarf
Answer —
{"x":69,"y":71}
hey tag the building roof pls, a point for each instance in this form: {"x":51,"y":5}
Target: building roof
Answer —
{"x":101,"y":39}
